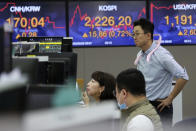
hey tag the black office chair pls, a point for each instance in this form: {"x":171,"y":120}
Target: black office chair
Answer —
{"x":185,"y":125}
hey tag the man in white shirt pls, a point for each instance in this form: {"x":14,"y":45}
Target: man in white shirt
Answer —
{"x":159,"y":68}
{"x":137,"y":112}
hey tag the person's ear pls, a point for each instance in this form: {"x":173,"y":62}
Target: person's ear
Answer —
{"x":102,"y":88}
{"x":124,"y":92}
{"x":148,"y":35}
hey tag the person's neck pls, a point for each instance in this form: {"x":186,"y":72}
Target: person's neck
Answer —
{"x":97,"y":99}
{"x":147,"y":46}
{"x":135,"y":99}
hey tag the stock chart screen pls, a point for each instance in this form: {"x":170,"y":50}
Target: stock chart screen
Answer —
{"x":104,"y":23}
{"x":175,"y":21}
{"x":32,"y":19}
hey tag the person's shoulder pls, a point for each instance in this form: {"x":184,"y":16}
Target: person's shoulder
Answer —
{"x":162,"y":53}
{"x":139,"y":123}
{"x":162,"y":49}
{"x":139,"y":53}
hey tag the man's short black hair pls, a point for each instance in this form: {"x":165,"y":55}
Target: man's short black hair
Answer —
{"x":146,"y":25}
{"x":132,"y":80}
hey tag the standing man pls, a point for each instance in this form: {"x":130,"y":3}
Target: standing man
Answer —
{"x":159,"y":68}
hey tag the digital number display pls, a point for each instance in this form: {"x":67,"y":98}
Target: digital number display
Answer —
{"x":104,"y":23}
{"x":32,"y":19}
{"x":175,"y":21}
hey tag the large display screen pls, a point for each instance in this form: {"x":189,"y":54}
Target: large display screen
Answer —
{"x":175,"y":21}
{"x":31,"y":19}
{"x":104,"y":23}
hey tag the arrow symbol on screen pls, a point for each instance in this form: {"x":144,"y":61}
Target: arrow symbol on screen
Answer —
{"x":180,"y":33}
{"x":17,"y":36}
{"x":85,"y":35}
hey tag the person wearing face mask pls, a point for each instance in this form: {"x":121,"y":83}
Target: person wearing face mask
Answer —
{"x":137,"y":114}
{"x":100,"y":87}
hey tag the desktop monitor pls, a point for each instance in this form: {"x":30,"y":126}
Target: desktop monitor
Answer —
{"x":174,"y":21}
{"x":50,"y":44}
{"x":1,"y":50}
{"x":60,"y":68}
{"x":28,"y":66}
{"x":55,"y":71}
{"x":34,"y":18}
{"x":70,"y":63}
{"x":104,"y":23}
{"x":5,"y":49}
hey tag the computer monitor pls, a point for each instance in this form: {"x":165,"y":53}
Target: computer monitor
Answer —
{"x":70,"y":63}
{"x":28,"y":66}
{"x":60,"y":68}
{"x":50,"y":44}
{"x":34,"y":17}
{"x":174,"y":20}
{"x":55,"y":73}
{"x":108,"y":23}
{"x":1,"y":50}
{"x":5,"y":49}
{"x":67,"y":44}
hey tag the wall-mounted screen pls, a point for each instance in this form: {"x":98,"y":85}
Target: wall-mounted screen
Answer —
{"x":175,"y":21}
{"x":34,"y":18}
{"x":104,"y":23}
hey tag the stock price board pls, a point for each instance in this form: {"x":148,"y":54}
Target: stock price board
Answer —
{"x":175,"y":21}
{"x":31,"y":19}
{"x":104,"y":23}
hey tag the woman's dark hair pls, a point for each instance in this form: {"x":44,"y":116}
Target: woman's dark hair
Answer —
{"x":132,"y":80}
{"x":108,"y":81}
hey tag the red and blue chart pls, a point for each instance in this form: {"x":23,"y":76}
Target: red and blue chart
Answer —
{"x":32,"y":19}
{"x":104,"y":23}
{"x":175,"y":21}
